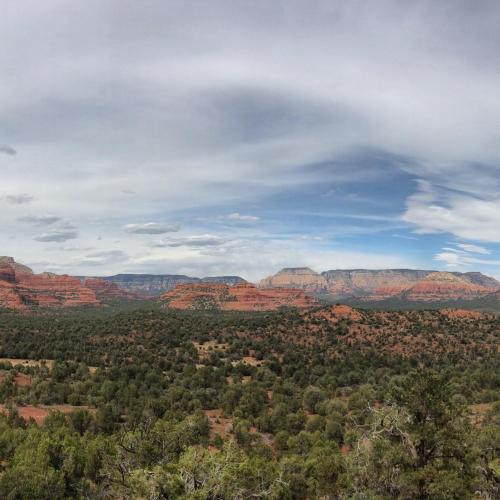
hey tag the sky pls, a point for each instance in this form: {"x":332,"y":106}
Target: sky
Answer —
{"x":240,"y":137}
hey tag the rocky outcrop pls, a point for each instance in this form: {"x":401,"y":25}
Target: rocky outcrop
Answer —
{"x":242,"y":297}
{"x":107,"y":291}
{"x":378,"y":285}
{"x":21,"y":288}
{"x":441,"y":286}
{"x":14,"y":266}
{"x":152,"y":285}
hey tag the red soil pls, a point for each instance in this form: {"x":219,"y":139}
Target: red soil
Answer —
{"x":39,"y":413}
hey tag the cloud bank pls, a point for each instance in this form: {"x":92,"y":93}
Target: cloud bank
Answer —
{"x":235,"y":118}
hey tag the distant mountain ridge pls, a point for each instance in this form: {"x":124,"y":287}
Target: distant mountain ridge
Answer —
{"x":21,"y":288}
{"x":382,"y":284}
{"x":152,"y":285}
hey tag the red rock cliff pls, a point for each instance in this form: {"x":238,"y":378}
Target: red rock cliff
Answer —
{"x":21,"y":288}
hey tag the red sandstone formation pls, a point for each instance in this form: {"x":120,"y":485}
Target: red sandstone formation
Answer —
{"x":107,"y":291}
{"x":21,"y":288}
{"x":243,"y":297}
{"x":9,"y":297}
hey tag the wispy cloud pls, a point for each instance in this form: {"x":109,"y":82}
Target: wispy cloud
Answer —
{"x":468,"y":247}
{"x":465,"y":255}
{"x":151,"y":228}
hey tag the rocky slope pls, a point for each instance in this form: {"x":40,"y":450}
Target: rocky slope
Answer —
{"x":377,"y":285}
{"x":241,"y":297}
{"x":151,"y":285}
{"x":21,"y":288}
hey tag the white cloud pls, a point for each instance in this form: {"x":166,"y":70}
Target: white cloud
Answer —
{"x":433,"y":210}
{"x":473,"y":248}
{"x":240,"y":217}
{"x":458,"y":260}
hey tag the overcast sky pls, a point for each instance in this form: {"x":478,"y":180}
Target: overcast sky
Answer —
{"x":238,"y":137}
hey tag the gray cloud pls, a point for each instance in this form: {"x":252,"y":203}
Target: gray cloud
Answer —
{"x":204,"y":240}
{"x":8,"y":150}
{"x":19,"y":199}
{"x":40,"y":220}
{"x":104,"y":258}
{"x":59,"y":235}
{"x":151,"y":228}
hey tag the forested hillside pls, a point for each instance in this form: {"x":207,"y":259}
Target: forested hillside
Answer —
{"x":328,"y":403}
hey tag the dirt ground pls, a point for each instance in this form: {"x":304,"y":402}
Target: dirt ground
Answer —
{"x":20,"y":379}
{"x":38,"y":413}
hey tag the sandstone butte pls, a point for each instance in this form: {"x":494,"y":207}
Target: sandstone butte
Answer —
{"x":296,"y":277}
{"x":106,"y":291}
{"x":21,"y":288}
{"x":241,"y":297}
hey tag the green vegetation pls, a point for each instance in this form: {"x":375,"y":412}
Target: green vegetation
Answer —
{"x":284,"y":405}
